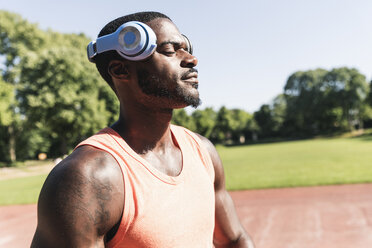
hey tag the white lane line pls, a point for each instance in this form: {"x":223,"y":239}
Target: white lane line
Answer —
{"x":266,"y":231}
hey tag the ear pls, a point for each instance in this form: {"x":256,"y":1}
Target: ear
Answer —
{"x":118,"y":69}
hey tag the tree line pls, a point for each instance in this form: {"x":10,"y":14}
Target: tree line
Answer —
{"x":51,"y":97}
{"x":313,"y":102}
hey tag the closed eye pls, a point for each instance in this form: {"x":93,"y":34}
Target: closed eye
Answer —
{"x":171,"y":47}
{"x":168,"y":52}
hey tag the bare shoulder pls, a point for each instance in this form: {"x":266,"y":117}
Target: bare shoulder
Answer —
{"x":81,"y":200}
{"x":86,"y":168}
{"x":89,"y":163}
{"x":207,"y":143}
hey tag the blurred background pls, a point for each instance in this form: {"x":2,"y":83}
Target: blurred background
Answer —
{"x":285,"y":85}
{"x":287,"y":100}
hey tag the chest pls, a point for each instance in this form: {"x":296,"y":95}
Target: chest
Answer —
{"x":169,"y":162}
{"x":172,"y":211}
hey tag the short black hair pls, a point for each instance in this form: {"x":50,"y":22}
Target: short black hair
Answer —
{"x":102,"y":60}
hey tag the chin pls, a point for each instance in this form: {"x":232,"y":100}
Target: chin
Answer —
{"x":186,"y":101}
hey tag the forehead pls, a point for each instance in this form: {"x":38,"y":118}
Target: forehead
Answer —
{"x":165,"y":30}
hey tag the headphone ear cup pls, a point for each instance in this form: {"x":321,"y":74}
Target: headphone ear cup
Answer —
{"x":137,"y":41}
{"x":133,"y":41}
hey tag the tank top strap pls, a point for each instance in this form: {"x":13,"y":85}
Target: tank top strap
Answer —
{"x":197,"y":144}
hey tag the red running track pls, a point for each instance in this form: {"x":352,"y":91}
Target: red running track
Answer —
{"x":309,"y":217}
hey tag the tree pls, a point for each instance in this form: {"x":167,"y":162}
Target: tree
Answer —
{"x":279,"y":110}
{"x":350,"y":90}
{"x":304,"y":101}
{"x":231,"y":126}
{"x":24,"y":47}
{"x":270,"y":118}
{"x":181,"y":118}
{"x":7,"y":100}
{"x":367,"y":111}
{"x":205,"y":121}
{"x":265,"y":121}
{"x":60,"y":93}
{"x":7,"y":120}
{"x":320,"y":101}
{"x":222,"y":132}
{"x":16,"y":37}
{"x":241,"y":125}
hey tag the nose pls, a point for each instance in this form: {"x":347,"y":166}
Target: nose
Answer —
{"x":189,"y":60}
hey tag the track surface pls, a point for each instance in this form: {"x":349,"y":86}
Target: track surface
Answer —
{"x":313,"y":217}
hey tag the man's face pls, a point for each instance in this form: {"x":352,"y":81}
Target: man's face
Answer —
{"x":169,"y":76}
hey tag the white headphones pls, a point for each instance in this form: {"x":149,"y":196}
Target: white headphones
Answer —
{"x":133,"y":41}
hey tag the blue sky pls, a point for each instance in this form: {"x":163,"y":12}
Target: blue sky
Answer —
{"x":246,"y":49}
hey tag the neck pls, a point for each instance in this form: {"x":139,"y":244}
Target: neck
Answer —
{"x":145,"y":129}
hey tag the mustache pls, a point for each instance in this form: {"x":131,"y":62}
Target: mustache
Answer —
{"x":186,"y":74}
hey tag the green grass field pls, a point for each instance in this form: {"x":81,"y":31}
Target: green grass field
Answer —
{"x":21,"y":190}
{"x":282,"y":164}
{"x":298,"y":163}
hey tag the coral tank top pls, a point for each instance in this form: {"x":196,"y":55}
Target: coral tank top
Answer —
{"x":162,"y":211}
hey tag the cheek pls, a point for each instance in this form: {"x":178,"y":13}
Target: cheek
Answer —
{"x":167,"y":75}
{"x":164,"y":67}
{"x":171,"y":72}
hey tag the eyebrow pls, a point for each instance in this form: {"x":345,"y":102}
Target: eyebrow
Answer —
{"x":174,"y":43}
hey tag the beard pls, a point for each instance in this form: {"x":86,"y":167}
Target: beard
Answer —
{"x":152,"y":85}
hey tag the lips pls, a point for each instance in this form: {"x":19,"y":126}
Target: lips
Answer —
{"x":191,"y":75}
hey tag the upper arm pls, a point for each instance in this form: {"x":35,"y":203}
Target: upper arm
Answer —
{"x":228,"y":230}
{"x":76,"y":206}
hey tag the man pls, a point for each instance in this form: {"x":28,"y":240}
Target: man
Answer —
{"x":142,"y":182}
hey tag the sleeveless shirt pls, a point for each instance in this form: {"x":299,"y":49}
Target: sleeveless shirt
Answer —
{"x":162,"y":211}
